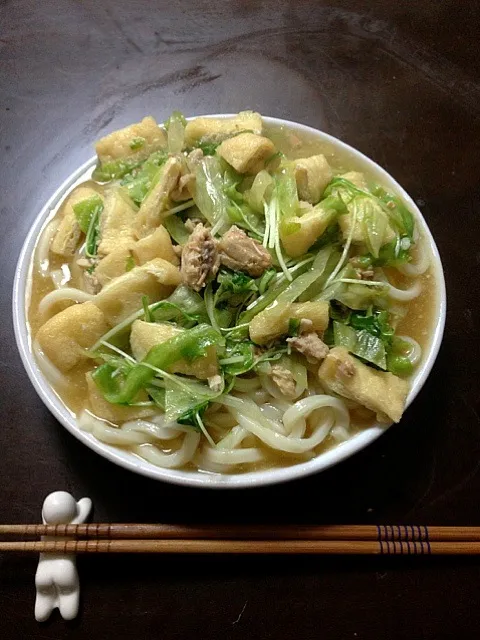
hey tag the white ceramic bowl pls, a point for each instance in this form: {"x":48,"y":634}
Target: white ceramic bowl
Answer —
{"x":325,"y":460}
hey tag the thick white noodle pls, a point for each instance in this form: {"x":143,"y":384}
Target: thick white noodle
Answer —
{"x":143,"y":442}
{"x":405,"y":295}
{"x":43,"y":247}
{"x":49,"y":370}
{"x":229,"y":453}
{"x":233,"y":439}
{"x":421,"y":265}
{"x":230,"y":457}
{"x":340,"y":433}
{"x":149,"y":427}
{"x":335,"y":413}
{"x":416,"y":353}
{"x":174,"y":459}
{"x":142,"y":437}
{"x":115,"y":436}
{"x":402,"y":295}
{"x":67,"y":293}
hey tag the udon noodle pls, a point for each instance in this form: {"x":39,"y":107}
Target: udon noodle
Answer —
{"x":226,"y":296}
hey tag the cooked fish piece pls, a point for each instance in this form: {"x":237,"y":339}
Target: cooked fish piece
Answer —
{"x":310,"y":345}
{"x":284,"y":380}
{"x":239,"y":252}
{"x":200,"y":259}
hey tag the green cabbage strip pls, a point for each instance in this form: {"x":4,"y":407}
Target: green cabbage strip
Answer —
{"x":272,"y":293}
{"x":175,"y":127}
{"x":85,"y":210}
{"x":190,"y":344}
{"x":176,"y":228}
{"x":115,"y":170}
{"x":210,"y":197}
{"x":138,"y":183}
{"x":361,"y":343}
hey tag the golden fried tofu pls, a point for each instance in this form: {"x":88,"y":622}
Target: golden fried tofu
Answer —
{"x":157,"y":245}
{"x":116,"y":222}
{"x":155,"y":279}
{"x":217,"y":129}
{"x":379,"y":391}
{"x":135,"y":142}
{"x":156,"y":204}
{"x":312,"y":176}
{"x":247,"y":152}
{"x":274,"y":320}
{"x":65,"y":337}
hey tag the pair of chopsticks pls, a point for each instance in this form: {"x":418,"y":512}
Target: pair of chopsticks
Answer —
{"x":254,"y":539}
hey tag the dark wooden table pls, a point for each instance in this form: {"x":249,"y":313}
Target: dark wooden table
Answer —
{"x":399,"y":81}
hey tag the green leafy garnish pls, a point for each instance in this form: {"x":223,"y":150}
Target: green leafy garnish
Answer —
{"x":137,"y":143}
{"x":293,"y":327}
{"x":398,"y":361}
{"x":361,"y":343}
{"x":208,"y":148}
{"x":115,"y":170}
{"x":130,"y":263}
{"x":138,"y":183}
{"x":148,"y":314}
{"x":87,"y":209}
{"x":190,"y":344}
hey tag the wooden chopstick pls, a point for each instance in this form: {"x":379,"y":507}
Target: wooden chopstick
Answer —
{"x":387,"y":533}
{"x":327,"y":547}
{"x":254,"y":539}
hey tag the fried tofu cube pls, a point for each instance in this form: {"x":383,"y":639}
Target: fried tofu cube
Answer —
{"x":274,"y":320}
{"x":65,"y":337}
{"x":116,"y":222}
{"x":379,"y":391}
{"x":217,"y":129}
{"x":68,"y":234}
{"x":145,"y":335}
{"x":114,"y":413}
{"x":359,"y":233}
{"x":123,"y":295}
{"x":312,"y":176}
{"x":247,"y":152}
{"x":157,"y":245}
{"x":135,"y":142}
{"x":156,"y":204}
{"x":310,"y":227}
{"x":114,"y":265}
{"x":357,"y":178}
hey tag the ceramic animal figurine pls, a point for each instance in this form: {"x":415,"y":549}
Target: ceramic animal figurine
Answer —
{"x":56,"y":579}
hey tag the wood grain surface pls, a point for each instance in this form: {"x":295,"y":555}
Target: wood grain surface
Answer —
{"x":397,"y":79}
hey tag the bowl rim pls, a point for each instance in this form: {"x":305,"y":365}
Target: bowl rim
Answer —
{"x":198,"y":479}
